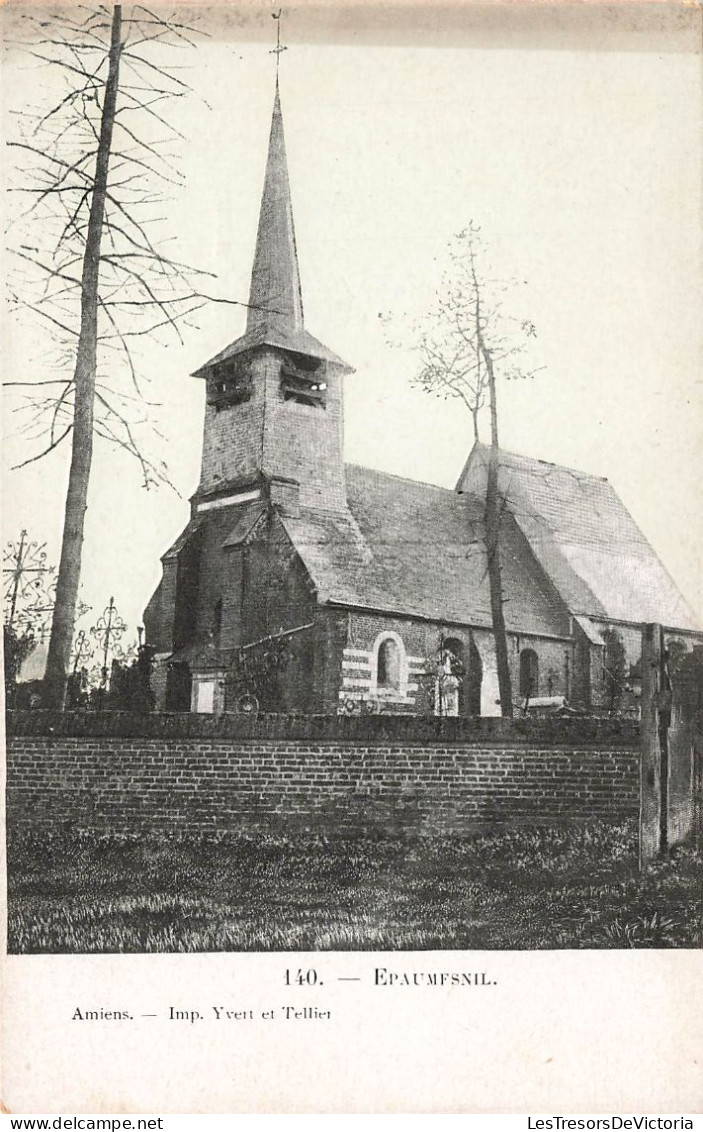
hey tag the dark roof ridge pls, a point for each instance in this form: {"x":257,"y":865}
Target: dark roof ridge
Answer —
{"x":546,"y":463}
{"x":299,"y":341}
{"x":403,"y":479}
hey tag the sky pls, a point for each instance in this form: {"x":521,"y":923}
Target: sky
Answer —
{"x":575,"y":143}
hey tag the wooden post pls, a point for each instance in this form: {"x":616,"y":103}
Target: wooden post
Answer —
{"x":651,"y":812}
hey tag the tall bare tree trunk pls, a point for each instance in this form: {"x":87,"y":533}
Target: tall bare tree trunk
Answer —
{"x":494,"y":515}
{"x":58,"y":659}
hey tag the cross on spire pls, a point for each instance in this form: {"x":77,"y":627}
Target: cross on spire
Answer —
{"x":280,"y":47}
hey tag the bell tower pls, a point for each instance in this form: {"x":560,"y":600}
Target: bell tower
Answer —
{"x":273,"y":418}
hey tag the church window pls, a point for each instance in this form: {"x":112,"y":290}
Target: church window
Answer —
{"x":389,"y":664}
{"x":229,"y":384}
{"x":529,"y":674}
{"x":303,"y":381}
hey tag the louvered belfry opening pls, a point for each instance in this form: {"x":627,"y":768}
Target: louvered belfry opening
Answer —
{"x":303,"y":380}
{"x":230,"y":384}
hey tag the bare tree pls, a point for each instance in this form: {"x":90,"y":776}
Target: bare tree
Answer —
{"x":469,"y":341}
{"x":98,"y":168}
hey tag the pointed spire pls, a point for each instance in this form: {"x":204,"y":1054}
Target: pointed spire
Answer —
{"x":275,"y":296}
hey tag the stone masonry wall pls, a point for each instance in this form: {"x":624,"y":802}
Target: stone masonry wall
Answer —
{"x":140,"y":785}
{"x":421,"y":641}
{"x":233,"y":437}
{"x":305,"y":443}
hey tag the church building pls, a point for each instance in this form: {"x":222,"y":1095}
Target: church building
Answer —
{"x":304,"y":584}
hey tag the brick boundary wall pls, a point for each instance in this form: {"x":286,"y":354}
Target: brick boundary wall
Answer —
{"x":103,"y":784}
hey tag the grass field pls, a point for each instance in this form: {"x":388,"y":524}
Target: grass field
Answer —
{"x":524,"y":888}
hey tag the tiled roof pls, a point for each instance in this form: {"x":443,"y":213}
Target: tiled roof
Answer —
{"x":585,"y":540}
{"x":417,"y":550}
{"x":193,"y":525}
{"x":295,"y":339}
{"x":246,"y":521}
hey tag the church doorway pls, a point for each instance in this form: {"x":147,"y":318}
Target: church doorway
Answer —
{"x":178,"y":687}
{"x":529,"y":674}
{"x":450,"y":678}
{"x":459,"y":676}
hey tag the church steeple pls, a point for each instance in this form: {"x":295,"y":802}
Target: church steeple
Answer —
{"x":275,"y":296}
{"x":275,"y":309}
{"x":274,"y":396}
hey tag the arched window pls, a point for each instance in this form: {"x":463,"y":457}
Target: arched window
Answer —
{"x":455,"y":647}
{"x":529,"y":674}
{"x":388,"y":670}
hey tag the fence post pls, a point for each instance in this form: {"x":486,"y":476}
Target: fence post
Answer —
{"x":652,"y":811}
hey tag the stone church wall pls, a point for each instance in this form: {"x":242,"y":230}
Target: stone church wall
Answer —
{"x":303,"y":442}
{"x":630,"y":637}
{"x":555,"y":672}
{"x":233,"y":437}
{"x":416,"y":639}
{"x":421,"y":642}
